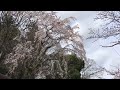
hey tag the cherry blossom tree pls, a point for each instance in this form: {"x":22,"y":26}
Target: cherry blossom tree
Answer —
{"x":92,"y":70}
{"x":44,"y":39}
{"x":109,"y":28}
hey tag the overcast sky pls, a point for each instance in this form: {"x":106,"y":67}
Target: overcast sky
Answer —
{"x":105,"y":57}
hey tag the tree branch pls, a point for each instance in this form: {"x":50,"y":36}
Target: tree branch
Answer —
{"x":112,"y":45}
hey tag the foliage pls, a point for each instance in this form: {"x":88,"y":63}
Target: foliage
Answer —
{"x":75,"y":65}
{"x":8,"y":31}
{"x":39,"y":52}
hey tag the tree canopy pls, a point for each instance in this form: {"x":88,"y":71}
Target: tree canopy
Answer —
{"x":34,"y":44}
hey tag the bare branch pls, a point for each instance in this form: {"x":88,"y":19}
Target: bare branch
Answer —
{"x":112,"y":45}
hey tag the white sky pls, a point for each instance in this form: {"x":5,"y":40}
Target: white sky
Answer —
{"x":105,"y":57}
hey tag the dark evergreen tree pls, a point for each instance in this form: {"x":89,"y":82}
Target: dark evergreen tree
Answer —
{"x":75,"y":65}
{"x":8,"y":31}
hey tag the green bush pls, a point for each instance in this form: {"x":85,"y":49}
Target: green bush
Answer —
{"x":75,"y":65}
